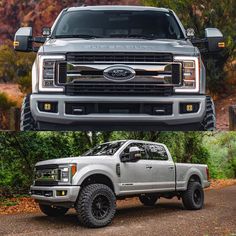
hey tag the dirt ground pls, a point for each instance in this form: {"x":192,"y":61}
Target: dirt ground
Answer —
{"x":167,"y":218}
{"x":27,"y":204}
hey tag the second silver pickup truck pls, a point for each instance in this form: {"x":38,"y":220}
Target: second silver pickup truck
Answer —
{"x":94,"y":181}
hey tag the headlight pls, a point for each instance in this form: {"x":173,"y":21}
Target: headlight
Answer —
{"x":48,"y":73}
{"x":191,"y":74}
{"x":67,"y":172}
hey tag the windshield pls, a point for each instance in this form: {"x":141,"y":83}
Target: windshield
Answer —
{"x":106,"y":149}
{"x":119,"y":24}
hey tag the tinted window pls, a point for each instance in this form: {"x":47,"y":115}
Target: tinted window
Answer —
{"x":105,"y":149}
{"x":156,"y":152}
{"x":140,"y":146}
{"x":106,"y":24}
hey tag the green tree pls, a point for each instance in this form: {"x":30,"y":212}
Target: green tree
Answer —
{"x":222,"y":159}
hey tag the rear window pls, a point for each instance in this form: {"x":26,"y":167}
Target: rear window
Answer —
{"x":108,"y":24}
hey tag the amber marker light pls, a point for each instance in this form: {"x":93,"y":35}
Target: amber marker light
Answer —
{"x":73,"y":170}
{"x":221,"y":44}
{"x":16,"y":43}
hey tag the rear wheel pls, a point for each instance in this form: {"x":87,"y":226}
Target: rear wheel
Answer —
{"x":27,"y":122}
{"x":53,"y":211}
{"x":209,"y":122}
{"x":193,"y":197}
{"x":148,"y":200}
{"x":96,"y":205}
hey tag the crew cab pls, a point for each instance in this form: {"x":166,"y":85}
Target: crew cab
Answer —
{"x":92,"y":183}
{"x":118,"y":68}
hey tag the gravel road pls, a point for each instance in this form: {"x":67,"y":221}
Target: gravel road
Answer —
{"x":167,"y":218}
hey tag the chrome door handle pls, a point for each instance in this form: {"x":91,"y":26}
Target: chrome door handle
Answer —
{"x":148,"y":167}
{"x":171,"y":167}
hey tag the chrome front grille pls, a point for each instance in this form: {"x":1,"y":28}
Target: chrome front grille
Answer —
{"x":47,"y":175}
{"x":155,"y":74}
{"x":119,"y":57}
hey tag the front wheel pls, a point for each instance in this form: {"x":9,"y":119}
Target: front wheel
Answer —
{"x":96,"y":205}
{"x":53,"y":211}
{"x":193,"y":197}
{"x":27,"y":121}
{"x":209,"y":121}
{"x":148,"y":200}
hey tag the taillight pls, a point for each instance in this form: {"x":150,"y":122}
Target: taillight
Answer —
{"x":208,"y":174}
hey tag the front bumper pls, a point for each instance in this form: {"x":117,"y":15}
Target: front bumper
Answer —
{"x":41,"y":194}
{"x":62,"y":119}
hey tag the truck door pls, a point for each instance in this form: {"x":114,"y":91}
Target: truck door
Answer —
{"x":135,"y":177}
{"x":163,"y":169}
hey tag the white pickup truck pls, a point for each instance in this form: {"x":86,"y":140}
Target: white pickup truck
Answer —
{"x":94,"y":181}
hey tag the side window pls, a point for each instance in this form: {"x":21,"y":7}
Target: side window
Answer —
{"x":141,"y":146}
{"x":156,"y":152}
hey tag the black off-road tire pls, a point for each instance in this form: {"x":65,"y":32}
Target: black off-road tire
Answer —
{"x":148,"y":199}
{"x":209,"y":122}
{"x":193,"y":197}
{"x":96,"y":205}
{"x":53,"y":211}
{"x":27,"y":122}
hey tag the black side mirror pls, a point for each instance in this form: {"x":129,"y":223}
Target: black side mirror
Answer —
{"x":23,"y":39}
{"x":215,"y":39}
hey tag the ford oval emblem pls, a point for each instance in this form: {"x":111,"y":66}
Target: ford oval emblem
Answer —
{"x":119,"y":73}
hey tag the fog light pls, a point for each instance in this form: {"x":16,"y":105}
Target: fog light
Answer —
{"x":48,"y":107}
{"x":61,"y":193}
{"x":189,"y":108}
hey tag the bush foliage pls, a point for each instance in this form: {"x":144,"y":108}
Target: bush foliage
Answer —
{"x":5,"y":102}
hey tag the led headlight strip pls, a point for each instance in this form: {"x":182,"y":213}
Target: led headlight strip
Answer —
{"x":67,"y":172}
{"x":191,"y":74}
{"x":47,"y":73}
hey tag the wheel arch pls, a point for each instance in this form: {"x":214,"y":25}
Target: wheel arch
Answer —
{"x":194,"y":175}
{"x":98,"y":178}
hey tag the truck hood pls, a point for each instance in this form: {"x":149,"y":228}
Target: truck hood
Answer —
{"x":75,"y":160}
{"x":62,"y":46}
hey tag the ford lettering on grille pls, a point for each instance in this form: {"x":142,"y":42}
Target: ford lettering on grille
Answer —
{"x":119,"y":73}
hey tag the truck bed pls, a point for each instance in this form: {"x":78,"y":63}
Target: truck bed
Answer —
{"x":185,"y":170}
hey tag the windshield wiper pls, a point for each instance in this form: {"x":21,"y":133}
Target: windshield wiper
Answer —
{"x":83,"y":36}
